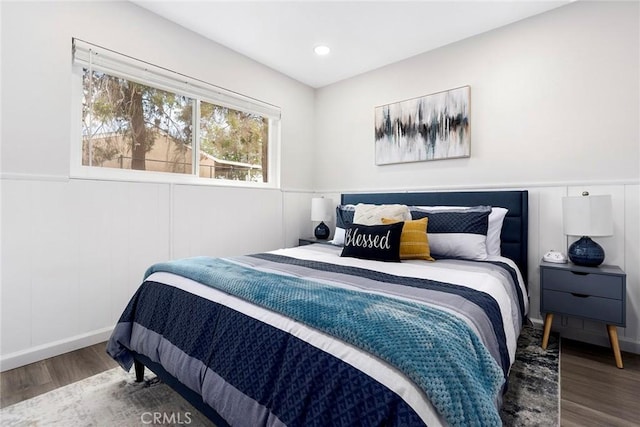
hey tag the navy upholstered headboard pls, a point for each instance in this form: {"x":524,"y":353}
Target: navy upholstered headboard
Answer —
{"x":514,"y":235}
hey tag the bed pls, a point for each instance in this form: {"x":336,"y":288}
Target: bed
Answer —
{"x":304,"y":336}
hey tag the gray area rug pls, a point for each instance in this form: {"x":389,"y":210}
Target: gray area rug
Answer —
{"x":533,"y":397}
{"x":113,"y":398}
{"x":109,"y":399}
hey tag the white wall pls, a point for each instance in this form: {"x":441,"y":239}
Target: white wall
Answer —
{"x":74,"y":251}
{"x":554,"y":109}
{"x":553,"y":98}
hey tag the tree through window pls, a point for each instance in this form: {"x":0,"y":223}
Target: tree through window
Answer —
{"x":131,"y":124}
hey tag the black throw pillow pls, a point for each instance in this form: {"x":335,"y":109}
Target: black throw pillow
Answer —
{"x":374,"y":242}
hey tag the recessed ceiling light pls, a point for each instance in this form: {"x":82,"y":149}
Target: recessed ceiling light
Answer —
{"x":322,"y":50}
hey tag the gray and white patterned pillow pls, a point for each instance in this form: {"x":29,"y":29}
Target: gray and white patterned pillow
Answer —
{"x":367,"y":214}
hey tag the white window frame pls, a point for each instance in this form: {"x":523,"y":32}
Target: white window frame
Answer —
{"x":87,"y":55}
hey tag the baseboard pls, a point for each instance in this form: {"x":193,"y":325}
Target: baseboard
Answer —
{"x":592,"y":337}
{"x":45,"y":351}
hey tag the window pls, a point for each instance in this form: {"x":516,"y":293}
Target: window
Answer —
{"x":142,"y":118}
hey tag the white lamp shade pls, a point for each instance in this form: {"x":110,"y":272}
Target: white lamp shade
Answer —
{"x":587,"y":216}
{"x":320,"y":209}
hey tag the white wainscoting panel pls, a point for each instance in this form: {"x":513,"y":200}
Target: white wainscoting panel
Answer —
{"x":54,"y":263}
{"x":297,"y":216}
{"x":73,"y":254}
{"x":17,"y":257}
{"x":632,"y":262}
{"x":223,"y":221}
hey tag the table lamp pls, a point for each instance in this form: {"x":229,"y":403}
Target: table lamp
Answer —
{"x":587,"y":216}
{"x":321,"y":211}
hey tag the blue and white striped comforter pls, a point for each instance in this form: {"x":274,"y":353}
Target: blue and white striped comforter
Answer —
{"x":265,"y":355}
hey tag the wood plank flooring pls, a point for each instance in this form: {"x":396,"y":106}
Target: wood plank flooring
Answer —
{"x":40,"y":377}
{"x":593,"y":391}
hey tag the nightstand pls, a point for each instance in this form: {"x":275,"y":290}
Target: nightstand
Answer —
{"x":593,"y":293}
{"x":310,"y":240}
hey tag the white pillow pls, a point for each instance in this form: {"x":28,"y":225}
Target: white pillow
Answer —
{"x":496,"y":218}
{"x":372,"y":214}
{"x":338,"y":236}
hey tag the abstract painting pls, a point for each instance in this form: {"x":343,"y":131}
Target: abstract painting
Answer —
{"x":431,"y":127}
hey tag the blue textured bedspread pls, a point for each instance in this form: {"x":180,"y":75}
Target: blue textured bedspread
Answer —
{"x":438,"y":351}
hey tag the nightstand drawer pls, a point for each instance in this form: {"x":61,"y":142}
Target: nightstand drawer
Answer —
{"x":590,"y":307}
{"x":593,"y":284}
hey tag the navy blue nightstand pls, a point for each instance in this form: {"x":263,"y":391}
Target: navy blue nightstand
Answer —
{"x":593,"y":293}
{"x":311,"y":240}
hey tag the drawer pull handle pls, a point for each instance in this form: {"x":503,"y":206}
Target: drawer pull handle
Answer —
{"x":580,"y":273}
{"x":579,"y":295}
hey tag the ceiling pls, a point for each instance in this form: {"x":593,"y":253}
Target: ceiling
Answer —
{"x":362,"y":35}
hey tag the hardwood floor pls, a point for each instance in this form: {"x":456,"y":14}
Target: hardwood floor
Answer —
{"x":40,"y":377}
{"x":593,"y":391}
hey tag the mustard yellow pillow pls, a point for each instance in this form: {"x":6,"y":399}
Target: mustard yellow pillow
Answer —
{"x":414,"y":243}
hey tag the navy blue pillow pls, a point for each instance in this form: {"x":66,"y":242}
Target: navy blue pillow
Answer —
{"x":344,"y":215}
{"x":457,"y":233}
{"x":374,"y":242}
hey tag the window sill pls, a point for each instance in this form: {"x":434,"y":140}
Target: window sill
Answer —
{"x":108,"y":174}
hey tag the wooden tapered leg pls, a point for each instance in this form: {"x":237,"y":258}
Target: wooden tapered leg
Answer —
{"x":548,"y":320}
{"x":613,"y":338}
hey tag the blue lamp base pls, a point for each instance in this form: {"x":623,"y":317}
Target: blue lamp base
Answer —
{"x":586,"y":252}
{"x":322,"y":231}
